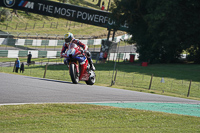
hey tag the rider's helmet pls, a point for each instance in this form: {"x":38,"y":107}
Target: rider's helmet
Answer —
{"x":68,"y":37}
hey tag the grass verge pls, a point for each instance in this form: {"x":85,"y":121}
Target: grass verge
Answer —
{"x":91,"y":118}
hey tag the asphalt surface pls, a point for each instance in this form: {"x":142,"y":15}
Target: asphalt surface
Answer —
{"x":18,"y":89}
{"x":15,"y":89}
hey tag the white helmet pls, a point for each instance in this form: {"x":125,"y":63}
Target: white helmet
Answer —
{"x":68,"y":37}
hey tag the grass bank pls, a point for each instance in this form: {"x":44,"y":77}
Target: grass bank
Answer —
{"x":91,"y":118}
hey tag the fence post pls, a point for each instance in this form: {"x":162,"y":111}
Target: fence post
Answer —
{"x":189,"y":88}
{"x":7,"y":26}
{"x":118,"y":55}
{"x":112,"y":82}
{"x":150,"y":81}
{"x":34,"y":26}
{"x":43,"y":25}
{"x":115,"y":76}
{"x":69,"y":25}
{"x":57,"y":25}
{"x":66,"y":24}
{"x":26,"y":26}
{"x":45,"y":70}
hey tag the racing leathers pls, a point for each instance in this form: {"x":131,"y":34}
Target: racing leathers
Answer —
{"x":84,"y":47}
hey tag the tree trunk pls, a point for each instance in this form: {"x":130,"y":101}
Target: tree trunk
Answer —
{"x":108,"y":5}
{"x":99,"y":3}
{"x":0,"y":15}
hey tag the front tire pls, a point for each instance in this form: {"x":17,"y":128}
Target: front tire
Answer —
{"x":92,"y":78}
{"x":73,"y":74}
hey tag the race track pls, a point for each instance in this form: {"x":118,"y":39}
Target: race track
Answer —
{"x":18,"y":89}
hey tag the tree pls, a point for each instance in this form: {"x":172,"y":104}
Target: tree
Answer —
{"x":161,"y":28}
{"x":5,"y":15}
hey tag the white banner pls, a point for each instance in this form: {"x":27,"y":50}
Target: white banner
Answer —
{"x":53,"y":42}
{"x":20,"y":42}
{"x":13,"y":53}
{"x":37,"y":43}
{"x":51,"y":54}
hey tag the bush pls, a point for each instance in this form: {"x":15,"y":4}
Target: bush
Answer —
{"x":4,"y":14}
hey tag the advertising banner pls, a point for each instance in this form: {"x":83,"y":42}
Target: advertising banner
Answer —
{"x":67,"y":11}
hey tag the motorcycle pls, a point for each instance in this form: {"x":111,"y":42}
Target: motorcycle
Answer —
{"x":79,"y":72}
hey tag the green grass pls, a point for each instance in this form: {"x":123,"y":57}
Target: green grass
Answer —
{"x":91,"y":118}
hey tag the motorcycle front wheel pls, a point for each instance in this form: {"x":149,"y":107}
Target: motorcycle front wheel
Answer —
{"x":92,"y":78}
{"x":73,"y":74}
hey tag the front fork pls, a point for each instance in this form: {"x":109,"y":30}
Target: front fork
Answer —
{"x":77,"y":67}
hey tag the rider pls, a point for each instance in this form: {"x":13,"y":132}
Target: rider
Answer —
{"x":69,"y":38}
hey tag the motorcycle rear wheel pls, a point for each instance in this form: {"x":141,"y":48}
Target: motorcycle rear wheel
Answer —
{"x":73,"y":74}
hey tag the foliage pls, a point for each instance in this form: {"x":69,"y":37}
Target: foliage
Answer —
{"x":4,"y":14}
{"x":161,"y":28}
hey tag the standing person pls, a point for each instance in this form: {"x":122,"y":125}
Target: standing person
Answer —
{"x":101,"y":56}
{"x":69,"y":38}
{"x":103,"y":7}
{"x":29,"y":58}
{"x":105,"y":56}
{"x":22,"y":68}
{"x":17,"y":65}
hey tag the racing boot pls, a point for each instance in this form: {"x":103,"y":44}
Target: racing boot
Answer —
{"x":65,"y":61}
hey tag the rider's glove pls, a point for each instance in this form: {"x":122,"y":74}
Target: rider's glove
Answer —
{"x":87,"y":53}
{"x":62,"y":55}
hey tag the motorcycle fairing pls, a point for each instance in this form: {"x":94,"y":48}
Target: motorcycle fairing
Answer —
{"x":84,"y":76}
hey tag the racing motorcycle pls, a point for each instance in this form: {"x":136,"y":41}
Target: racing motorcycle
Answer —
{"x":79,"y":72}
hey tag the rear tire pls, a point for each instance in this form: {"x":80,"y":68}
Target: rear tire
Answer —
{"x":73,"y":74}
